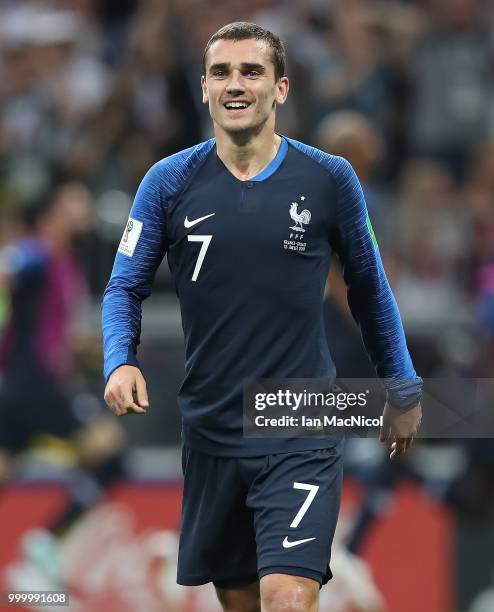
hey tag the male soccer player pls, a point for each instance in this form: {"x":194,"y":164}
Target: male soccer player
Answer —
{"x":258,"y":515}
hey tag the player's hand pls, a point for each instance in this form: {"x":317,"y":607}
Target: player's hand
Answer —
{"x":126,"y":391}
{"x":400,"y":428}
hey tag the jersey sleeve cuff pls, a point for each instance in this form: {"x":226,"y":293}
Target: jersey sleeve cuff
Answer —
{"x":404,"y":393}
{"x":118,"y":359}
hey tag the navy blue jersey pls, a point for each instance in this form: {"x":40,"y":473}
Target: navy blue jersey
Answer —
{"x":249,"y":261}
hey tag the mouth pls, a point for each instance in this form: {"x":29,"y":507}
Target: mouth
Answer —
{"x":236,"y":107}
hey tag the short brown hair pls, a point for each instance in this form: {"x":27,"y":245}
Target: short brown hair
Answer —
{"x":243,"y":30}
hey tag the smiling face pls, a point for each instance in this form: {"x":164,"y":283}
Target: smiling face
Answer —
{"x":240,"y":85}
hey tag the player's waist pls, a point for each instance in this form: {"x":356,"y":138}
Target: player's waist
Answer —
{"x":234,"y":444}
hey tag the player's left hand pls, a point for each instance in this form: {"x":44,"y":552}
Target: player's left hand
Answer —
{"x":400,"y":428}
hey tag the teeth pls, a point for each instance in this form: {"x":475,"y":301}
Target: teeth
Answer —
{"x":236,"y":105}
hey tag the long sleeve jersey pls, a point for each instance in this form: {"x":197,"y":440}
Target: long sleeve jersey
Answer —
{"x":249,"y":260}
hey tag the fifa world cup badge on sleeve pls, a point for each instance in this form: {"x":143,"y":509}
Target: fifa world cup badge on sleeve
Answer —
{"x":130,"y":237}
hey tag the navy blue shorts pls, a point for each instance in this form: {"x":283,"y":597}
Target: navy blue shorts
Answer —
{"x":243,"y":518}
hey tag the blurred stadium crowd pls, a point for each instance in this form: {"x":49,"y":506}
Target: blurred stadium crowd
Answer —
{"x":93,"y":92}
{"x":96,"y":91}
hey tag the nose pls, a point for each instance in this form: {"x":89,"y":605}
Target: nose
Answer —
{"x":234,"y":85}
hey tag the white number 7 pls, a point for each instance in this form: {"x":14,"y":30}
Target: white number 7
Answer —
{"x":202,"y":253}
{"x":313,"y":489}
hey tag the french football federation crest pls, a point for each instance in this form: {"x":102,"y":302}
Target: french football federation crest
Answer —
{"x":294,"y":242}
{"x":302,"y":218}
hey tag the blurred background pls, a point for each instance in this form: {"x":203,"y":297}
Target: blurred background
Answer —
{"x":92,"y":93}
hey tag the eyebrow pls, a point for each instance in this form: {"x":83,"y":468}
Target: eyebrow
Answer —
{"x":245,"y":66}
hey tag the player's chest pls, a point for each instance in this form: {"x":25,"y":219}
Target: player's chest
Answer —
{"x":251,"y":217}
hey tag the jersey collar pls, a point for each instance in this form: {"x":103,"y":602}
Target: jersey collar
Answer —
{"x":274,"y":164}
{"x":269,"y":170}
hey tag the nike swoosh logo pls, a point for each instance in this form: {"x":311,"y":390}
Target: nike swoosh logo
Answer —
{"x":288,"y":544}
{"x":188,"y":223}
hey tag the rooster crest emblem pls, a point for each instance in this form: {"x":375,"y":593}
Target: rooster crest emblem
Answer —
{"x":302,"y":218}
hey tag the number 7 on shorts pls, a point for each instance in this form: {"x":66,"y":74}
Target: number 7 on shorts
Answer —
{"x":313,"y":489}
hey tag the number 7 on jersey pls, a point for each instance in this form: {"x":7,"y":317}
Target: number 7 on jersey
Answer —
{"x":202,"y":253}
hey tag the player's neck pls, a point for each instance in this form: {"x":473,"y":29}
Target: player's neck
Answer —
{"x":246,"y":157}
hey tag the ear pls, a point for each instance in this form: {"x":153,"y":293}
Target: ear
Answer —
{"x":205,"y":96}
{"x":282,"y":87}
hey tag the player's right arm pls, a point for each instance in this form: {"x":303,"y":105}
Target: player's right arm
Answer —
{"x":141,"y":250}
